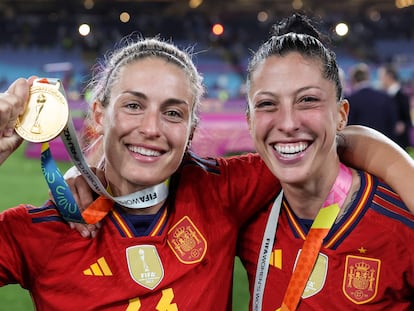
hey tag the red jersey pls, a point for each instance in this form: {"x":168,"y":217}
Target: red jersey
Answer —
{"x":184,"y":262}
{"x":366,"y":261}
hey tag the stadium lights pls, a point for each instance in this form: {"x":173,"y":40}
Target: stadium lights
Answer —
{"x":124,"y":17}
{"x":88,"y":4}
{"x":262,"y":16}
{"x":217,"y":29}
{"x":341,"y":29}
{"x":84,"y":30}
{"x":400,"y":4}
{"x":193,"y":4}
{"x":297,"y":4}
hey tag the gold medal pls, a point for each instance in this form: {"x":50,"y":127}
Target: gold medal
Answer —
{"x":46,"y":115}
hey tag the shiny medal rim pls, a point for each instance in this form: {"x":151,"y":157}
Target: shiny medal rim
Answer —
{"x":56,"y":121}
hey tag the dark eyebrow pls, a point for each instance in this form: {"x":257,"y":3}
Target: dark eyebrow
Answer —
{"x":308,"y":88}
{"x":305,"y":88}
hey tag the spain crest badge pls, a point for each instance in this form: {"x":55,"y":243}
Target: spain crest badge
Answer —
{"x":361,"y":278}
{"x":186,"y":241}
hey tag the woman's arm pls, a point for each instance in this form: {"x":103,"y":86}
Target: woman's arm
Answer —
{"x":369,"y":150}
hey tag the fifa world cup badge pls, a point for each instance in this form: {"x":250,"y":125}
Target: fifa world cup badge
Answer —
{"x":46,"y":114}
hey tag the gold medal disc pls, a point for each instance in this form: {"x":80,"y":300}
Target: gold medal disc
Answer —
{"x":46,"y":114}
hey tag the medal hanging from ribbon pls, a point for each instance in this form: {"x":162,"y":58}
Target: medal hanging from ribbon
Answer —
{"x":47,"y":116}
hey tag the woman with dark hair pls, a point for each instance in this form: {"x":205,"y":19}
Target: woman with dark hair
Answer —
{"x":337,"y":238}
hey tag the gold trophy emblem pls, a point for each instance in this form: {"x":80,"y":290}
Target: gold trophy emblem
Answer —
{"x":40,"y":103}
{"x":46,"y":114}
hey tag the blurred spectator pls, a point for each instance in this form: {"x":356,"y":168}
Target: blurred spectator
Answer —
{"x":369,"y":106}
{"x":345,"y":86}
{"x":390,"y":82}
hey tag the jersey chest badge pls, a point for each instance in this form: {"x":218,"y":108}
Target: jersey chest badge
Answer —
{"x":186,"y":241}
{"x":145,"y":265}
{"x":361,"y":277}
{"x":318,"y":276}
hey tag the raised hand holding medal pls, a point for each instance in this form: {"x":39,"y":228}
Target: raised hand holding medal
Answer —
{"x":46,"y":117}
{"x":46,"y":114}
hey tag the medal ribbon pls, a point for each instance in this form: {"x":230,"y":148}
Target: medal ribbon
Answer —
{"x":60,"y":190}
{"x":58,"y":187}
{"x":320,"y":228}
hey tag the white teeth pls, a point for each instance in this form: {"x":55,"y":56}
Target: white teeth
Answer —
{"x":144,"y":151}
{"x":290,"y":149}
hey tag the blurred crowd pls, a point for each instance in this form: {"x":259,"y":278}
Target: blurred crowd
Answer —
{"x":29,"y":43}
{"x":386,"y":108}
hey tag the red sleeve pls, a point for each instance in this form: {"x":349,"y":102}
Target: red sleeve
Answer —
{"x":28,"y":236}
{"x":13,"y":224}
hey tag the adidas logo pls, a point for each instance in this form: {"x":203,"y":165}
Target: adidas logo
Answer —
{"x":99,"y":268}
{"x":276,"y":258}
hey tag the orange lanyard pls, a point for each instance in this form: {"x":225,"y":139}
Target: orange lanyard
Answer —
{"x":307,"y":258}
{"x":313,"y":243}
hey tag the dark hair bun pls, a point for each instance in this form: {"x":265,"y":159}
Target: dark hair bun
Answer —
{"x":298,"y":24}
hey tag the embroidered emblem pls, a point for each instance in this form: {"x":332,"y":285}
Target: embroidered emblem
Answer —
{"x":187,"y":242}
{"x":362,"y":250}
{"x":317,"y":278}
{"x":145,"y":265}
{"x":361,"y":278}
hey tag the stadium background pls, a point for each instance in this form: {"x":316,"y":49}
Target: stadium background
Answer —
{"x":42,"y":37}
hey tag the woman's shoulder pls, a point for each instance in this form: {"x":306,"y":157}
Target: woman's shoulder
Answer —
{"x":247,"y":165}
{"x":31,"y":213}
{"x":384,"y":200}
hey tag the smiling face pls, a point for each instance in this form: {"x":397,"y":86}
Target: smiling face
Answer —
{"x":294,"y":117}
{"x":146,"y":125}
